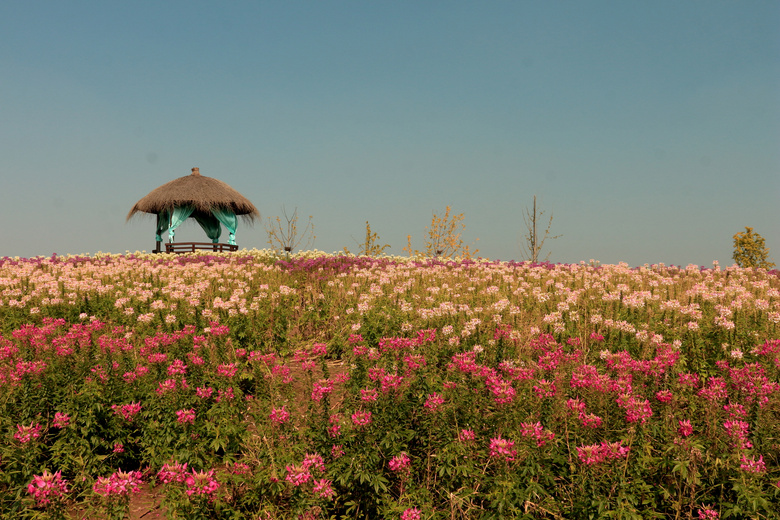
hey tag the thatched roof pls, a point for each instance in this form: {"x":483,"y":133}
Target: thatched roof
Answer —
{"x":197,"y":190}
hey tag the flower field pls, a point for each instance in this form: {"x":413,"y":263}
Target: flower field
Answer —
{"x":242,"y":386}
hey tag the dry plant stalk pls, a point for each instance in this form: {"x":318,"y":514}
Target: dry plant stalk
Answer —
{"x":533,"y":243}
{"x":285,"y":236}
{"x":443,"y":238}
{"x":371,"y":246}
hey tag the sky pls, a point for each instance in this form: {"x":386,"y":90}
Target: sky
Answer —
{"x":648,"y":131}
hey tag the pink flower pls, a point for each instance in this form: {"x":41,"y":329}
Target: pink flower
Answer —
{"x":25,"y":434}
{"x":411,"y":514}
{"x":598,"y":453}
{"x":128,"y":411}
{"x":227,"y":370}
{"x":361,"y":418}
{"x":500,"y":447}
{"x":185,"y":416}
{"x":323,"y":489}
{"x":321,"y":389}
{"x":297,"y":475}
{"x":119,"y":448}
{"x":119,"y":483}
{"x":337,"y":451}
{"x":738,"y":431}
{"x":466,"y":435}
{"x":177,"y":367}
{"x":319,"y":349}
{"x":61,"y":420}
{"x":369,"y":394}
{"x":173,"y":472}
{"x":201,"y":483}
{"x":400,"y":463}
{"x":753,"y":465}
{"x":665,"y":396}
{"x":313,"y":460}
{"x":47,"y":487}
{"x":225,"y":395}
{"x":536,"y":432}
{"x":544,"y":389}
{"x":279,"y":415}
{"x":637,"y":409}
{"x":685,"y":428}
{"x":433,"y":402}
{"x":707,"y":514}
{"x":204,"y":392}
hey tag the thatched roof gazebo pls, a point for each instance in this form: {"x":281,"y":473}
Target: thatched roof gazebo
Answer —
{"x":209,"y":201}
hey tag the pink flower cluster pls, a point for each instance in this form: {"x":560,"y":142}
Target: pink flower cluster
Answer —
{"x":47,"y":487}
{"x":503,"y":448}
{"x":597,"y":453}
{"x":401,"y":463}
{"x":119,"y":483}
{"x":279,"y":416}
{"x":361,"y":418}
{"x":185,"y":416}
{"x":25,"y":434}
{"x":536,"y":432}
{"x":411,"y":514}
{"x":172,"y":472}
{"x":61,"y":420}
{"x":128,"y":411}
{"x":707,"y":514}
{"x":433,"y":402}
{"x":753,"y":465}
{"x":637,"y":409}
{"x":738,"y":431}
{"x":201,"y":483}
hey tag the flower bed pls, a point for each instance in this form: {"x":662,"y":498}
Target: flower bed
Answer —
{"x":327,"y":386}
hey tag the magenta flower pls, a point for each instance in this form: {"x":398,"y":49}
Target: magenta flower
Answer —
{"x":361,"y":418}
{"x":433,"y":402}
{"x":119,"y":483}
{"x":185,"y":416}
{"x":411,"y":514}
{"x":466,"y":435}
{"x":225,"y":395}
{"x":753,"y":465}
{"x":128,"y":411}
{"x":201,"y":483}
{"x":597,"y":453}
{"x":25,"y":434}
{"x":707,"y":514}
{"x":369,"y":394}
{"x":685,"y":428}
{"x":61,"y":420}
{"x":227,"y":370}
{"x":279,"y":415}
{"x":204,"y":392}
{"x":297,"y":475}
{"x":313,"y":460}
{"x":323,"y":489}
{"x":173,"y":472}
{"x":47,"y":487}
{"x":505,"y":448}
{"x":177,"y":367}
{"x":401,"y":463}
{"x":337,"y":451}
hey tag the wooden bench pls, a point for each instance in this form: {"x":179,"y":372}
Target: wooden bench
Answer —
{"x":191,"y":247}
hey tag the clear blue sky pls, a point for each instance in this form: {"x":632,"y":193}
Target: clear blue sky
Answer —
{"x":649,"y":130}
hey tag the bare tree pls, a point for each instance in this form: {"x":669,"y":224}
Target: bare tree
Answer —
{"x":533,"y":241}
{"x":285,"y":236}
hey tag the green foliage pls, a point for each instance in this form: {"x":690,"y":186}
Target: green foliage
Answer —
{"x":750,"y":250}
